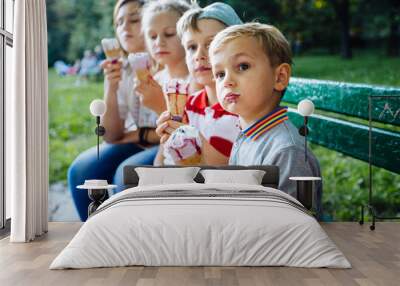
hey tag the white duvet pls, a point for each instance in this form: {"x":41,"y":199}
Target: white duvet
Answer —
{"x":183,"y":231}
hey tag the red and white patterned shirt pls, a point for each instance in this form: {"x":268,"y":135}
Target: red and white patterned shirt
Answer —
{"x":218,"y":126}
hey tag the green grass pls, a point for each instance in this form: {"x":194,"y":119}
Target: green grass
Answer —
{"x":346,"y":184}
{"x":71,"y":126}
{"x":368,"y":69}
{"x":71,"y":129}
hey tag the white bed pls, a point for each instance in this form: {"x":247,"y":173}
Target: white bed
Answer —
{"x":201,"y":224}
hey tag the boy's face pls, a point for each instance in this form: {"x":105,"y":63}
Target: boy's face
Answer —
{"x":161,"y":38}
{"x":196,"y":45}
{"x":246,"y":83}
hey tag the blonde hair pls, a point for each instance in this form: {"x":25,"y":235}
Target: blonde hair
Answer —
{"x":189,"y":21}
{"x":157,"y":6}
{"x":274,"y":43}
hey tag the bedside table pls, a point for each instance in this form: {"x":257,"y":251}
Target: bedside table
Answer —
{"x":305,"y":190}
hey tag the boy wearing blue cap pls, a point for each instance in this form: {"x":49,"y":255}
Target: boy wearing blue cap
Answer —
{"x":251,"y":64}
{"x":218,"y":128}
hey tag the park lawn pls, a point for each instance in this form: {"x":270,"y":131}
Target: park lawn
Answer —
{"x":71,"y":126}
{"x":363,"y":68}
{"x":71,"y":131}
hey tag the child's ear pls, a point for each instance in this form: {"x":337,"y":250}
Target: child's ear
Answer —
{"x":282,"y":76}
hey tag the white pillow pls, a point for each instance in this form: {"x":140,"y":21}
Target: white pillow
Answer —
{"x":248,"y":177}
{"x":166,"y":176}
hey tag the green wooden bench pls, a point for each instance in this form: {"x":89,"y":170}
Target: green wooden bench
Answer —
{"x":341,"y":119}
{"x":342,"y":123}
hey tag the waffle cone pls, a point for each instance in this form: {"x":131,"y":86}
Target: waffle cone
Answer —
{"x":192,"y":160}
{"x":142,"y":74}
{"x":176,"y":104}
{"x":113,"y":53}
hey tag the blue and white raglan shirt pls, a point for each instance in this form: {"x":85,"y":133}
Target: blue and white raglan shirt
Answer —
{"x":274,"y":140}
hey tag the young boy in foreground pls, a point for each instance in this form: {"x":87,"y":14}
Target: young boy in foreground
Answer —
{"x":251,"y":64}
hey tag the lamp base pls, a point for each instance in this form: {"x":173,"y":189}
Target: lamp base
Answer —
{"x":305,"y":190}
{"x":303,"y":130}
{"x":305,"y":193}
{"x":100,"y":130}
{"x":97,"y":196}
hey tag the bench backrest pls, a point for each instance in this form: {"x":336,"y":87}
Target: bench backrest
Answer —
{"x":341,"y":121}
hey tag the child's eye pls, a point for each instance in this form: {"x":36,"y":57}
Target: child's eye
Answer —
{"x":134,"y":21}
{"x":119,"y":22}
{"x":243,"y":66}
{"x":191,"y":48}
{"x":219,"y":75}
{"x":169,"y":35}
{"x":153,"y":37}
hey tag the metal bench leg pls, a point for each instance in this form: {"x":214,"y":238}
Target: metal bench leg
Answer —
{"x":361,"y":221}
{"x":372,"y":227}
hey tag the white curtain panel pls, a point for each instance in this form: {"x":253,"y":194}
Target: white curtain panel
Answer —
{"x":27,"y":124}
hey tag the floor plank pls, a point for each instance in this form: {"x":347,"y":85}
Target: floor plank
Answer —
{"x":374,"y":255}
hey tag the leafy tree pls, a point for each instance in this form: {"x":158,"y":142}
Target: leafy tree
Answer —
{"x":74,"y":26}
{"x":393,"y":47}
{"x":58,"y":13}
{"x":93,"y":21}
{"x":318,"y":25}
{"x":343,"y":14}
{"x":381,"y":23}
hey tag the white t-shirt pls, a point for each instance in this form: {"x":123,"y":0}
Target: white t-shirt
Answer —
{"x":163,"y":78}
{"x":129,"y":106}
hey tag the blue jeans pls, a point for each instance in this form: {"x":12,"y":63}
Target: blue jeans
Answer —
{"x":113,"y":158}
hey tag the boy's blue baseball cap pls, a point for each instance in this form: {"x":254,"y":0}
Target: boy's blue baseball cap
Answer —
{"x":221,"y":12}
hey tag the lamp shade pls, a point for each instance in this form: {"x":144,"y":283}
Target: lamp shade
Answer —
{"x":97,"y":107}
{"x":305,"y":107}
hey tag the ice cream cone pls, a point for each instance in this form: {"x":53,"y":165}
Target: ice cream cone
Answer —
{"x":177,"y":94}
{"x":140,"y":64}
{"x":184,"y":146}
{"x":192,"y":160}
{"x":176,"y":105}
{"x":111,"y":48}
{"x":113,"y":53}
{"x":143,"y":74}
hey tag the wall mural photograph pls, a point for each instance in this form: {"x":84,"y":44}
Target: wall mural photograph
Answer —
{"x":153,"y":81}
{"x":154,"y":142}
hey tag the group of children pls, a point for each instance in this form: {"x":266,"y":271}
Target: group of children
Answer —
{"x":244,"y":70}
{"x":236,"y":74}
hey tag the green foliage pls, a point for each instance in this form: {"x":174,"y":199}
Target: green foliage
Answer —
{"x":305,"y":20}
{"x":346,"y":185}
{"x":346,"y":180}
{"x":71,"y":126}
{"x":74,"y":26}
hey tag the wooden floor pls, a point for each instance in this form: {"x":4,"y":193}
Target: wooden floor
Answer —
{"x":374,"y":255}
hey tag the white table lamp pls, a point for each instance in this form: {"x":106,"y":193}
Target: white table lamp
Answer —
{"x":98,"y":108}
{"x":305,"y":108}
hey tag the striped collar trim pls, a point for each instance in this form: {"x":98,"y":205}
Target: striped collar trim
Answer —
{"x":266,"y":123}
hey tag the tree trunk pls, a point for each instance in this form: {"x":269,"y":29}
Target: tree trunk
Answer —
{"x":393,"y":45}
{"x":343,"y":15}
